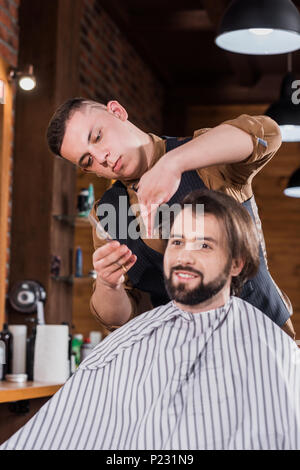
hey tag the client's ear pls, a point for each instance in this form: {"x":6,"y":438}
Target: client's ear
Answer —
{"x":236,"y":267}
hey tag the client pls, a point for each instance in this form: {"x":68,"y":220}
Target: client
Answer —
{"x":205,"y":371}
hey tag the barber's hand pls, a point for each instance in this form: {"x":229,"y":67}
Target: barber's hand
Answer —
{"x":156,"y":187}
{"x":108,"y":261}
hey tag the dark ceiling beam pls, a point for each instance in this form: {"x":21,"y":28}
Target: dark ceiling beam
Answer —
{"x":243,"y":66}
{"x":182,"y":20}
{"x":223,"y":91}
{"x":163,"y":5}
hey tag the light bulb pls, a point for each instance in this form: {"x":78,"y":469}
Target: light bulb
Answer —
{"x":27,"y":83}
{"x":261,"y":31}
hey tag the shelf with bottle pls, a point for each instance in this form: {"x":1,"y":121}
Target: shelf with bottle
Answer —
{"x":6,"y":351}
{"x":11,"y":388}
{"x":85,"y":201}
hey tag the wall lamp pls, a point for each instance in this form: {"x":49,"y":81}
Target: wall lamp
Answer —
{"x":26,"y":79}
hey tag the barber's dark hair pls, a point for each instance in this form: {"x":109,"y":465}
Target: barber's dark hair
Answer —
{"x":57,"y":125}
{"x":241,"y":232}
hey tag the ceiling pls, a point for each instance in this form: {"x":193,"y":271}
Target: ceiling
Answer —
{"x":176,"y":38}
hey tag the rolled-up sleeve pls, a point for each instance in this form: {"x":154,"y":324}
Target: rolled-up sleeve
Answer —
{"x":235,"y":179}
{"x":134,"y":297}
{"x":266,"y":137}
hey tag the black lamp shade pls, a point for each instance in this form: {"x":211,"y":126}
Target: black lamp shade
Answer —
{"x":260,"y":27}
{"x":285,"y":112}
{"x":293,"y":186}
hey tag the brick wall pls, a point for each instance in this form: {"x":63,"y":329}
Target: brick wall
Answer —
{"x":9,"y":45}
{"x":110,"y":68}
{"x":9,"y":31}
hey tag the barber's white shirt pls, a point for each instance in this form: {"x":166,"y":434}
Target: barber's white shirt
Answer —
{"x":224,"y":379}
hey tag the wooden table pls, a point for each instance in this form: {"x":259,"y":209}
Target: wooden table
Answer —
{"x":10,"y":391}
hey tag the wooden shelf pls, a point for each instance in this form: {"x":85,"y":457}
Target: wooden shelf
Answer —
{"x":72,"y":279}
{"x":10,"y":391}
{"x":73,"y":220}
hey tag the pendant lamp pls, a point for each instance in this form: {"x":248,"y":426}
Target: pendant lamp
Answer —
{"x":284,"y":111}
{"x":293,"y":186}
{"x":260,"y":27}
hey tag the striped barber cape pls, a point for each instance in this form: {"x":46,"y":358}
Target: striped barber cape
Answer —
{"x":228,"y":378}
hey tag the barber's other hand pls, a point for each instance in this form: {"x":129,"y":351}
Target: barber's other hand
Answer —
{"x":107,"y":261}
{"x":156,"y":187}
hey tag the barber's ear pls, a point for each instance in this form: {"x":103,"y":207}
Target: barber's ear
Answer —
{"x":236,"y":267}
{"x":117,"y":110}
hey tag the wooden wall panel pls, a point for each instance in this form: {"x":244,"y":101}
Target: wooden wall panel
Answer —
{"x":6,"y":119}
{"x":280,"y":215}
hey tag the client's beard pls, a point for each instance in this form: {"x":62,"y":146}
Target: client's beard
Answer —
{"x":181,"y":294}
